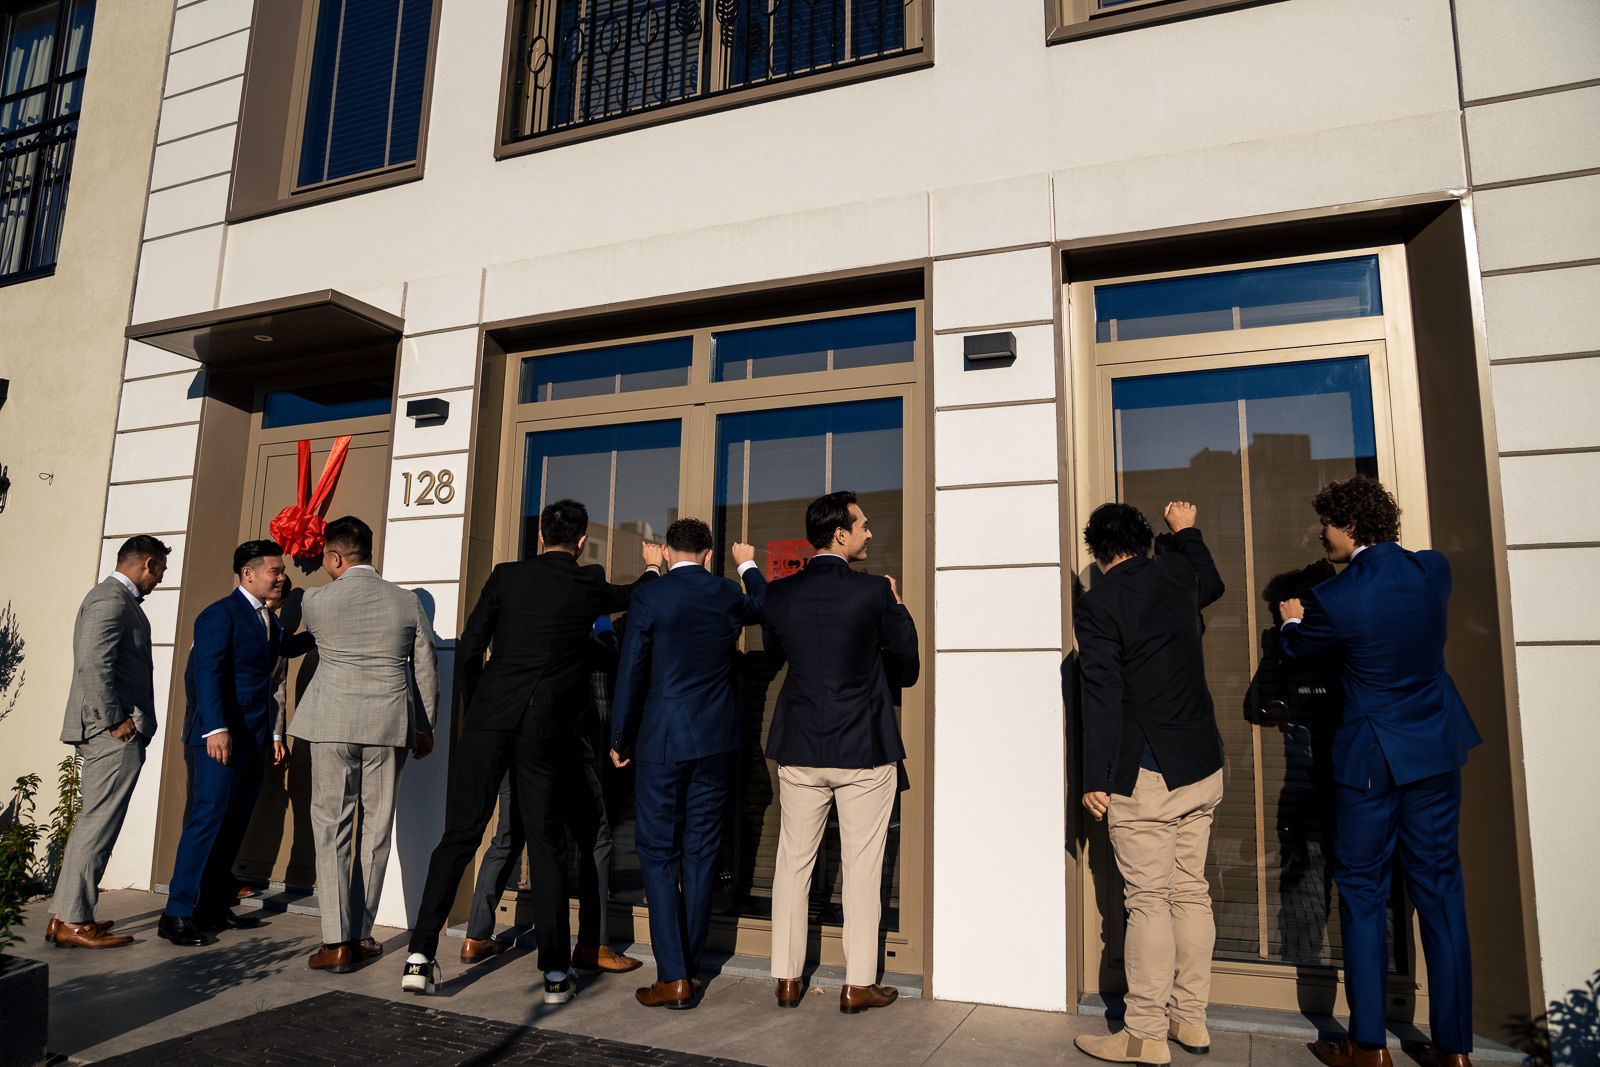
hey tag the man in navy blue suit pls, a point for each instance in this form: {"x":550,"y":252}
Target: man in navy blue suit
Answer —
{"x":1397,"y":758}
{"x":237,"y":641}
{"x":676,"y":715}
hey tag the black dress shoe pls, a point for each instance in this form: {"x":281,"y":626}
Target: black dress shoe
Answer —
{"x":225,"y":919}
{"x":180,"y":930}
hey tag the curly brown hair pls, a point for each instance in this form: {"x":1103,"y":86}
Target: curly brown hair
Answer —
{"x":1361,"y":505}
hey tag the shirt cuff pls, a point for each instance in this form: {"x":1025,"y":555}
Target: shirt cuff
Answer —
{"x":275,"y":737}
{"x":1288,"y":623}
{"x":746,"y":565}
{"x":210,"y":732}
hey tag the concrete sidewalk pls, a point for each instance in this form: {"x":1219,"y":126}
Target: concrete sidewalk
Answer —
{"x":109,"y":1002}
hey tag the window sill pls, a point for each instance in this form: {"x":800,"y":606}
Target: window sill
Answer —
{"x":724,"y":101}
{"x":30,"y":275}
{"x":1116,"y":22}
{"x":321,"y":194}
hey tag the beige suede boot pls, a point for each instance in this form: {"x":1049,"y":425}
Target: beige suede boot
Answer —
{"x":1123,"y":1047}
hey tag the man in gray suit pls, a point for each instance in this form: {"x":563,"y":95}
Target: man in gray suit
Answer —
{"x":110,"y":718}
{"x":357,"y":715}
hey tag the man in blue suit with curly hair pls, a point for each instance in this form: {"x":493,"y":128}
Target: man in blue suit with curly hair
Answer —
{"x":1397,"y":758}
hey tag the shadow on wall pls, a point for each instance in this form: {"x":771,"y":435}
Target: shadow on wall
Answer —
{"x":1568,"y":1034}
{"x":11,"y":645}
{"x":419,"y":807}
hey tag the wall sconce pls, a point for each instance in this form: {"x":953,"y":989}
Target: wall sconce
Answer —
{"x":989,"y":347}
{"x":428,"y":411}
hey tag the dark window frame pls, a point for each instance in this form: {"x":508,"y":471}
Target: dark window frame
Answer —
{"x":509,"y":143}
{"x":272,"y":117}
{"x":1073,"y":20}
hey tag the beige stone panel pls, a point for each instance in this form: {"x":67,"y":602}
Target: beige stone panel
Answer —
{"x":1001,"y":724}
{"x":207,"y":63}
{"x":967,"y":521}
{"x":1551,"y":499}
{"x":438,"y":361}
{"x":1534,"y":136}
{"x":442,"y":302}
{"x":144,"y":360}
{"x":163,"y":401}
{"x":998,"y":609}
{"x":148,"y":507}
{"x":990,"y":290}
{"x":177,"y":542}
{"x":1546,"y":405}
{"x":999,"y":214}
{"x":200,"y":156}
{"x":1032,"y":376}
{"x":1543,"y":313}
{"x":208,"y":20}
{"x":161,"y":453}
{"x":1553,"y":593}
{"x":1529,"y":44}
{"x":161,"y":608}
{"x":129,"y":866}
{"x":203,"y":109}
{"x":1529,"y":225}
{"x":1292,"y":172}
{"x":187,"y":207}
{"x":441,"y":601}
{"x":1560,"y":735}
{"x":178,"y":275}
{"x":1005,"y":444}
{"x":429,"y":478}
{"x":452,"y":435}
{"x":425,"y":551}
{"x":390,"y":298}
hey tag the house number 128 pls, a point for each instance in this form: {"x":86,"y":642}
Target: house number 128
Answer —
{"x":432,"y":488}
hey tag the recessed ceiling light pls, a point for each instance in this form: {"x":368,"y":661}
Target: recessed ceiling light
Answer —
{"x":263,"y":337}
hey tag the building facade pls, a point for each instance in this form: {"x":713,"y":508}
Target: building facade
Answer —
{"x":987,"y":264}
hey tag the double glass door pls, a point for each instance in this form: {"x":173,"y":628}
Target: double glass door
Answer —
{"x":749,"y":468}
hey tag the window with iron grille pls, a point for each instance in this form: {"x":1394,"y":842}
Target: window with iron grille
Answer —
{"x":44,"y":52}
{"x":577,"y":64}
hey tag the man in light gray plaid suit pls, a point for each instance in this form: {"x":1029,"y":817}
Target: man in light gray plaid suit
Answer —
{"x":359,"y":718}
{"x":110,"y":718}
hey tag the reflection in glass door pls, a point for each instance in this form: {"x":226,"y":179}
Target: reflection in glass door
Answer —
{"x":770,"y":465}
{"x":1251,"y":446}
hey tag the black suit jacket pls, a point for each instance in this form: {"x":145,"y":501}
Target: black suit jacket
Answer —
{"x":845,"y":640}
{"x":537,"y":614}
{"x":1144,"y":678}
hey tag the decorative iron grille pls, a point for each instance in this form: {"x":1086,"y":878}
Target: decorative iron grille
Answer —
{"x":581,"y":62}
{"x":35,"y":168}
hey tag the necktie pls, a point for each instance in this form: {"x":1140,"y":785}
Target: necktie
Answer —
{"x":262,"y":611}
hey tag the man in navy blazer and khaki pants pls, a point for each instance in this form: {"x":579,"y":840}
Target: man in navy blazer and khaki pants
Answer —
{"x":844,"y":635}
{"x":677,"y":717}
{"x":1397,"y":759}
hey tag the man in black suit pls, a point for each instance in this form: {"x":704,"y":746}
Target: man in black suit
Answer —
{"x":835,"y":739}
{"x":1152,"y":767}
{"x":525,"y":711}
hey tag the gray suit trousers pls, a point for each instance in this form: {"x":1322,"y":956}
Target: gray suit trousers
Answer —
{"x":341,"y":776}
{"x":110,"y":771}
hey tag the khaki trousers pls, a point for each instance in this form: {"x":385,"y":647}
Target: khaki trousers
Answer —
{"x":1159,"y":837}
{"x":865,"y":798}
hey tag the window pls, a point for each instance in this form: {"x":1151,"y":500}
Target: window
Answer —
{"x":578,"y":63}
{"x":600,"y":371}
{"x":44,"y":52}
{"x":821,"y":345}
{"x":335,"y":101}
{"x":1071,"y":19}
{"x":326,"y":403}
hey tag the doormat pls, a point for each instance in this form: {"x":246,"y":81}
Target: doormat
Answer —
{"x":348,"y":1028}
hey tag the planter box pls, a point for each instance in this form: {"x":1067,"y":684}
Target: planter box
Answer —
{"x":24,"y":1011}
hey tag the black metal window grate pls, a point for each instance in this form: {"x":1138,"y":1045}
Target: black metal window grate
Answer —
{"x":44,"y":54}
{"x":581,"y":62}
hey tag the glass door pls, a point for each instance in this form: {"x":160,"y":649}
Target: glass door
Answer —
{"x":1250,"y":439}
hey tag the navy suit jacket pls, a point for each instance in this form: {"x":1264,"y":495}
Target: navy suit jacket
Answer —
{"x":844,"y":638}
{"x":233,"y":659}
{"x":675,"y":699}
{"x":1385,"y":615}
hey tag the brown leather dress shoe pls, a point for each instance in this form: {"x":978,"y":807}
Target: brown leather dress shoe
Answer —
{"x":1347,"y":1053}
{"x":1434,"y":1056}
{"x":854,"y":999}
{"x":54,"y":924}
{"x":789,"y":990}
{"x":335,"y":958}
{"x":365,"y":949}
{"x":603,"y":959}
{"x":88,"y":935}
{"x":478,"y":949}
{"x":677,"y":995}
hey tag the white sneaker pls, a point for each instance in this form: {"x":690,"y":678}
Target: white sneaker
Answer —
{"x":421,"y":974}
{"x":560,"y":990}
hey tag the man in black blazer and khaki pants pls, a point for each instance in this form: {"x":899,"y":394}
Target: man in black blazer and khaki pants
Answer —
{"x":1152,"y":767}
{"x":844,"y":635}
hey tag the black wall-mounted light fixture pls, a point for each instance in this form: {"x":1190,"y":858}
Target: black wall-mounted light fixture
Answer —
{"x":5,"y":388}
{"x":428,"y":410}
{"x":989,"y":347}
{"x":5,"y":487}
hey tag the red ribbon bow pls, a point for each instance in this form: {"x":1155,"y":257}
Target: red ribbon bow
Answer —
{"x":299,"y":527}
